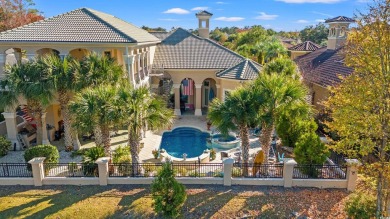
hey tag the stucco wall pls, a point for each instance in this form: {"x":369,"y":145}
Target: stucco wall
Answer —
{"x":320,"y":94}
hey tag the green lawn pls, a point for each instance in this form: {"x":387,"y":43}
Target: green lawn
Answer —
{"x":135,"y":202}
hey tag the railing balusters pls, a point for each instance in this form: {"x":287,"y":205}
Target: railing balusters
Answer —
{"x":15,"y":170}
{"x":309,"y":171}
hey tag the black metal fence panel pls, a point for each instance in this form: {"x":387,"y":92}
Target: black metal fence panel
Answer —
{"x":248,"y":170}
{"x":71,"y":170}
{"x":302,"y":171}
{"x":15,"y":170}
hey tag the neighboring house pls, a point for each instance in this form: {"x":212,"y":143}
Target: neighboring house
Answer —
{"x":197,"y":68}
{"x":324,"y":67}
{"x":302,"y":49}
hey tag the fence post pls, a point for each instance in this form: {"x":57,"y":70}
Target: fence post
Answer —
{"x":227,"y":171}
{"x":352,"y":165}
{"x":288,"y":169}
{"x":37,"y":170}
{"x":103,"y":170}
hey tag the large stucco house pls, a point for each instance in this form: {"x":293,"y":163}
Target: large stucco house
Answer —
{"x":196,"y":68}
{"x":322,"y":68}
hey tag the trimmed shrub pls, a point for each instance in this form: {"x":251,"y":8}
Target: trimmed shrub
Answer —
{"x":310,"y":150}
{"x":291,"y":129}
{"x":120,"y":153}
{"x":48,"y":151}
{"x":4,"y":146}
{"x":213,"y":154}
{"x":92,"y":154}
{"x":168,"y":194}
{"x":361,"y":205}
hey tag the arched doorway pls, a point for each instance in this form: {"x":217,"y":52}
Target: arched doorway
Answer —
{"x":47,"y":51}
{"x":209,"y":92}
{"x":79,"y":53}
{"x":187,"y":96}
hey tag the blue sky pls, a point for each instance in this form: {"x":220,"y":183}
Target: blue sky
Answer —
{"x":276,"y":14}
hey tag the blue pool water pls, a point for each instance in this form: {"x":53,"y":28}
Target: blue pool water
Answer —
{"x":182,"y":140}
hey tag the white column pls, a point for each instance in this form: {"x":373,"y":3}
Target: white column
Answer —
{"x":2,"y":64}
{"x":219,"y":91}
{"x":103,"y":170}
{"x":198,"y":101}
{"x":288,"y":170}
{"x":12,"y":130}
{"x":227,"y":171}
{"x":176,"y":88}
{"x":37,"y":170}
{"x":45,"y":139}
{"x":352,"y":171}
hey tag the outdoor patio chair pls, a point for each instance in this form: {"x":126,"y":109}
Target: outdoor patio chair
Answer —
{"x":224,"y":154}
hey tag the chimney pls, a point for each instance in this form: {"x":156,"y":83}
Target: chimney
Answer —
{"x":204,"y":22}
{"x":338,"y":29}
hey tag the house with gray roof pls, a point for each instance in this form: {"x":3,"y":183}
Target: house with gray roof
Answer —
{"x":302,"y":49}
{"x":193,"y":68}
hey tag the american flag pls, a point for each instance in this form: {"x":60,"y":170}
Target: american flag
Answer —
{"x":25,"y":114}
{"x":188,"y":87}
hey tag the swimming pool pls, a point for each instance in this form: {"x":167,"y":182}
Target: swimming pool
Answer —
{"x":193,"y":142}
{"x":182,"y":140}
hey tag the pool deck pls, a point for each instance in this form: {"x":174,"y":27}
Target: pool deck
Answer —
{"x":151,"y":141}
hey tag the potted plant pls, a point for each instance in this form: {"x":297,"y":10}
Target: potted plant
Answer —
{"x":208,"y":125}
{"x":155,"y":153}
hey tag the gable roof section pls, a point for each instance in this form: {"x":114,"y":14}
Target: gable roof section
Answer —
{"x":160,"y":35}
{"x":204,"y":13}
{"x":183,"y":50}
{"x":245,"y":70}
{"x":339,"y":19}
{"x":323,"y":67}
{"x":305,"y":46}
{"x":80,"y":25}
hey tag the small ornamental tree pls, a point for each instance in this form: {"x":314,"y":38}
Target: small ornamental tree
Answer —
{"x":310,"y":150}
{"x":168,"y":194}
{"x":5,"y":144}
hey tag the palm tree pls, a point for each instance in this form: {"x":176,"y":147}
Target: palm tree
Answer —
{"x":96,"y":69}
{"x":274,"y":50}
{"x":283,"y":66}
{"x":65,"y":79}
{"x":95,"y":107}
{"x":138,"y":108}
{"x":275,"y":94}
{"x":235,"y":113}
{"x":33,"y":82}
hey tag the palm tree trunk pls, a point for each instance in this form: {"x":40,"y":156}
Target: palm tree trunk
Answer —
{"x":133,"y":142}
{"x":63,"y":99}
{"x":97,"y":132}
{"x":244,"y":134}
{"x":106,"y":140}
{"x":36,"y":112}
{"x":75,"y":138}
{"x":265,"y":139}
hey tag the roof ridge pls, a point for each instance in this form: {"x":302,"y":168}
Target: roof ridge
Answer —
{"x":90,"y":12}
{"x":244,"y":68}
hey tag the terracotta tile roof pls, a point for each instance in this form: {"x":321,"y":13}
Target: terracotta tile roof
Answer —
{"x":204,"y":13}
{"x":323,"y":67}
{"x":184,"y":50}
{"x":245,"y":70}
{"x":339,"y":19}
{"x":80,"y":25}
{"x":305,"y":46}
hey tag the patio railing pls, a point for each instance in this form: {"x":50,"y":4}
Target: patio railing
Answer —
{"x":257,"y":170}
{"x":319,"y":172}
{"x":15,"y":170}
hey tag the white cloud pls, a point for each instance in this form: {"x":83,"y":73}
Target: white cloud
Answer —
{"x":310,"y":1}
{"x":302,"y":21}
{"x":176,"y":11}
{"x":264,"y":16}
{"x":320,"y":20}
{"x":363,"y":1}
{"x":230,"y":19}
{"x":220,"y":3}
{"x":167,"y":19}
{"x":320,"y":13}
{"x":200,"y":8}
